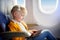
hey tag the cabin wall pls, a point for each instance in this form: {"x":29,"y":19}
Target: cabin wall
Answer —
{"x":51,"y":22}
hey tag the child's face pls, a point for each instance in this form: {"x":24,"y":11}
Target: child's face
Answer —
{"x":18,"y":15}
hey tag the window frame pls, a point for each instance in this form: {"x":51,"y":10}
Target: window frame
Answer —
{"x":46,"y":12}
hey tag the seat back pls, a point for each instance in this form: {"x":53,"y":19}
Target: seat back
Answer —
{"x":4,"y":20}
{"x":3,"y":23}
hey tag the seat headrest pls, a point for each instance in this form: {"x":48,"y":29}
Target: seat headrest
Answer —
{"x":3,"y":21}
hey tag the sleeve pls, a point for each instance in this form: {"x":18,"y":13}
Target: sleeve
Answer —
{"x":25,"y":25}
{"x":13,"y":27}
{"x":26,"y":30}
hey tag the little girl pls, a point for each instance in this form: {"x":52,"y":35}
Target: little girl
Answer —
{"x":17,"y":25}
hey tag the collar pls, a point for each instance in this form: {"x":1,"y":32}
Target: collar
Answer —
{"x":15,"y":21}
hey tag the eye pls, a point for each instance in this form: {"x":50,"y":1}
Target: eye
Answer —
{"x":22,"y":15}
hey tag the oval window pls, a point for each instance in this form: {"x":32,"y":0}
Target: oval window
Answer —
{"x":48,"y":6}
{"x":21,"y":2}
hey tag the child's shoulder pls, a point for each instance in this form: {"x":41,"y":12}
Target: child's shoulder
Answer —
{"x":11,"y":22}
{"x":22,"y":21}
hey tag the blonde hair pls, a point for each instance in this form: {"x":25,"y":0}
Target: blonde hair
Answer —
{"x":22,"y":9}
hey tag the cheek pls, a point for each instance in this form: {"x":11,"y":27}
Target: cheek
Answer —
{"x":21,"y":17}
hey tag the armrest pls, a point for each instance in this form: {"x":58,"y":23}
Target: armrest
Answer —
{"x":9,"y":35}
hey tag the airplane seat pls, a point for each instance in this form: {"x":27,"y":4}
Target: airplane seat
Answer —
{"x":4,"y":30}
{"x":3,"y":22}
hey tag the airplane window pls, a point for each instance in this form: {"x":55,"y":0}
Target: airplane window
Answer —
{"x":48,"y":6}
{"x":21,"y":2}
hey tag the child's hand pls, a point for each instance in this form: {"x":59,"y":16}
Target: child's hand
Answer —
{"x":31,"y":31}
{"x":35,"y":33}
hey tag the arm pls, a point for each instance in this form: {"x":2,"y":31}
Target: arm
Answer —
{"x":32,"y":32}
{"x":18,"y":28}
